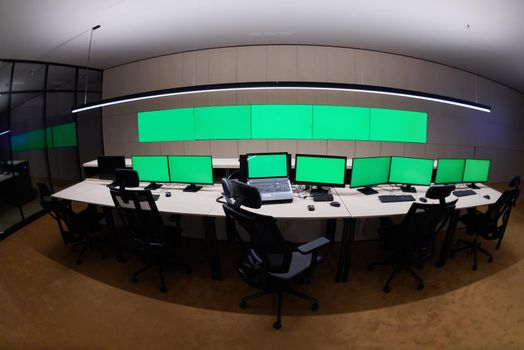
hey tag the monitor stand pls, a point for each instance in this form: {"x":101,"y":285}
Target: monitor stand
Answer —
{"x":192,"y":188}
{"x":153,"y":186}
{"x":318,"y":189}
{"x":473,"y":186}
{"x":408,"y":189}
{"x":367,"y":190}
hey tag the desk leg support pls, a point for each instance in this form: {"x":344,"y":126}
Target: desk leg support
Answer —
{"x":116,"y":241}
{"x":331,"y":229}
{"x":212,"y":248}
{"x":448,"y":239}
{"x":344,"y":260}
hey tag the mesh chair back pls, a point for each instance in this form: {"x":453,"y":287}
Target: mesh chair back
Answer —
{"x":494,"y":221}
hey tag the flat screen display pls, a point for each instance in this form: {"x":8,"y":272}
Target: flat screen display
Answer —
{"x":108,"y":164}
{"x":449,"y":171}
{"x":476,"y":170}
{"x":191,"y":169}
{"x":151,"y":168}
{"x":282,"y":121}
{"x":397,"y":125}
{"x":320,"y":170}
{"x":370,"y":171}
{"x":411,"y":171}
{"x":266,"y":165}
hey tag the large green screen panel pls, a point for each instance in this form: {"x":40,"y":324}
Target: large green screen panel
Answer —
{"x":223,"y":123}
{"x":319,"y":170}
{"x":449,"y":171}
{"x":340,"y":123}
{"x":266,"y":165}
{"x":151,"y":168}
{"x":191,"y":169}
{"x":64,"y":135}
{"x":167,"y":125}
{"x":282,"y":121}
{"x":397,"y":125}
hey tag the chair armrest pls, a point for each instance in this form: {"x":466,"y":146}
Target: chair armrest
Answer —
{"x":313,"y":245}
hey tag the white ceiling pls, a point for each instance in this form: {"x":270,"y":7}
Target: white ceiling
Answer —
{"x":58,"y":30}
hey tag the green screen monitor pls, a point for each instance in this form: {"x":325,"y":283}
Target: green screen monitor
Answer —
{"x":151,"y":168}
{"x":267,"y":165}
{"x":449,"y":171}
{"x":191,"y":170}
{"x":410,"y":171}
{"x":369,"y":171}
{"x":476,"y":170}
{"x":319,"y":170}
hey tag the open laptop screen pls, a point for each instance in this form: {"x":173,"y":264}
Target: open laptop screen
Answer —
{"x":267,"y":165}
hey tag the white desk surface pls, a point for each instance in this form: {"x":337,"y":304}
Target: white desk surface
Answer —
{"x":362,"y":206}
{"x":4,"y":177}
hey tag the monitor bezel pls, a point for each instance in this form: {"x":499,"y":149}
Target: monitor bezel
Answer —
{"x":288,"y":164}
{"x":411,"y":183}
{"x":113,"y":161}
{"x":375,"y":184}
{"x":189,"y":183}
{"x":147,"y":180}
{"x":487,"y":175}
{"x":448,"y":183}
{"x":319,"y":183}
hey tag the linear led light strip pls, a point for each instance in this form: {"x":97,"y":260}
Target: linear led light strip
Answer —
{"x":5,"y":132}
{"x":286,"y":85}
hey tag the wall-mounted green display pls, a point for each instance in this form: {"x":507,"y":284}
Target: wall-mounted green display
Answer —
{"x":282,"y":122}
{"x":63,"y":135}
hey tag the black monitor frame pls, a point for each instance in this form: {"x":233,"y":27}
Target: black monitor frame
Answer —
{"x":408,"y":186}
{"x":319,"y":186}
{"x":449,"y":183}
{"x":366,"y":189}
{"x":192,"y":186}
{"x":153,"y":185}
{"x":108,"y":164}
{"x":288,"y":164}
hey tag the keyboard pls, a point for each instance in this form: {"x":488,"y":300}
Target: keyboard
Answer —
{"x":392,"y":198}
{"x":322,"y":197}
{"x":268,"y":187}
{"x":464,"y":193}
{"x":273,"y":189}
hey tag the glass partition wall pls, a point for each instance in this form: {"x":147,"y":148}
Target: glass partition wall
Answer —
{"x":40,"y":139}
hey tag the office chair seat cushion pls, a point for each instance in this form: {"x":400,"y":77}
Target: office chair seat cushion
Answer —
{"x":299,"y":264}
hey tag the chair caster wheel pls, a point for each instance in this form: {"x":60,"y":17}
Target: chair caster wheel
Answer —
{"x":370,"y":267}
{"x":386,"y":289}
{"x":314,"y":307}
{"x":134,"y":280}
{"x":474,"y":268}
{"x":420,"y":286}
{"x":490,"y":260}
{"x":163,"y":289}
{"x":277,"y":325}
{"x":243,"y":305}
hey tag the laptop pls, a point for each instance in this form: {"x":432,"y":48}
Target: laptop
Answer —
{"x":268,"y":172}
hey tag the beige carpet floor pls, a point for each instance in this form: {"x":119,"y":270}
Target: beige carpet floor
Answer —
{"x":48,"y":302}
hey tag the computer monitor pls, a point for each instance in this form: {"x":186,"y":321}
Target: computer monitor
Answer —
{"x":108,"y":164}
{"x":449,"y":171}
{"x":320,"y":170}
{"x":267,"y":165}
{"x":369,"y":171}
{"x":476,"y":170}
{"x":191,"y":170}
{"x":151,"y":168}
{"x":410,"y":171}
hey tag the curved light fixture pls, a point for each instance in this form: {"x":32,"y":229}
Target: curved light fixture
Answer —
{"x":283,"y":85}
{"x":4,"y":132}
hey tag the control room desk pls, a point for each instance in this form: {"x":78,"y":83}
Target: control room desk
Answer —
{"x":361,"y":206}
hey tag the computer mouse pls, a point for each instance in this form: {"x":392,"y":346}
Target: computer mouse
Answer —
{"x":423,"y":199}
{"x":168,"y":194}
{"x":335,"y":204}
{"x":311,"y":207}
{"x":487,"y":196}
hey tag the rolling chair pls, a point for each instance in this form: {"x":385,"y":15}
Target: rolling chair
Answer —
{"x":271,"y":263}
{"x":490,"y":225}
{"x":143,"y":223}
{"x":413,"y":240}
{"x":76,"y":228}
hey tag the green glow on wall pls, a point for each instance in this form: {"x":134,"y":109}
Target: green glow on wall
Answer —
{"x":223,"y":123}
{"x":166,"y":125}
{"x":397,"y":126}
{"x":340,"y":123}
{"x":63,"y":135}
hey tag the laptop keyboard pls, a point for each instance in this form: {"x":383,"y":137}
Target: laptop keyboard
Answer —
{"x":396,"y":198}
{"x":270,"y":187}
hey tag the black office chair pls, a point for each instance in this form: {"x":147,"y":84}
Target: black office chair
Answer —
{"x":490,"y":225}
{"x":76,"y":228}
{"x":154,"y":241}
{"x":271,"y":263}
{"x":413,"y":240}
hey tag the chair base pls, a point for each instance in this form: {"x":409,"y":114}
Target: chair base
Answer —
{"x":280,"y":294}
{"x":473,"y":247}
{"x":397,"y":268}
{"x":90,"y":243}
